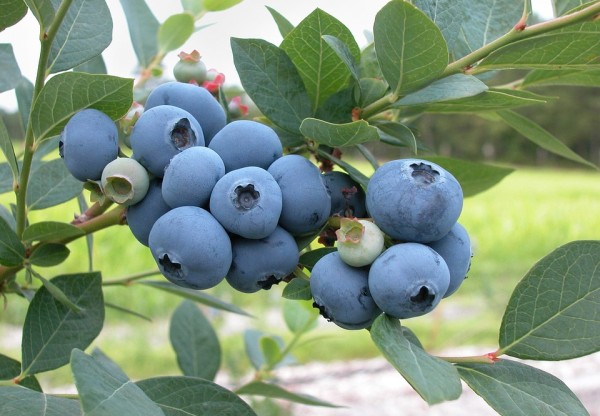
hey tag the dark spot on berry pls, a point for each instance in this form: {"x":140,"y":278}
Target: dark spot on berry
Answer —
{"x":322,"y":311}
{"x":61,"y":150}
{"x":246,"y":197}
{"x":424,"y":173}
{"x":268,"y":282}
{"x":182,"y":135}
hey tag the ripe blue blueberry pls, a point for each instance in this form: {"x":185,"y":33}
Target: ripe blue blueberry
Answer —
{"x":306,"y":202}
{"x":244,"y":143}
{"x":89,"y":141}
{"x":259,"y":264}
{"x":190,"y":248}
{"x":414,"y":200}
{"x":191,"y":176}
{"x":347,"y":196}
{"x":162,"y":132}
{"x":247,"y":202}
{"x":455,"y":249}
{"x":194,"y":99}
{"x":408,"y":280}
{"x":341,"y":292}
{"x":142,"y":216}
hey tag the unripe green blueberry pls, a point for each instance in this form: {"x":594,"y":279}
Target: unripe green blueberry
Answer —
{"x":359,"y":242}
{"x":190,"y":68}
{"x":125,"y":181}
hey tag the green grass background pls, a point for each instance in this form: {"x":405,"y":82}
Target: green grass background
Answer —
{"x":513,"y":225}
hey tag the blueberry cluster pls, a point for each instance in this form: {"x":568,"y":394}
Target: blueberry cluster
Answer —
{"x":410,"y":255}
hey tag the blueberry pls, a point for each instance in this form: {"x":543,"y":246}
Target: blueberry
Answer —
{"x":306,"y":202}
{"x":190,"y":248}
{"x":259,"y":264}
{"x":341,"y":293}
{"x":414,"y":200}
{"x":247,"y":202}
{"x":455,"y":249}
{"x":359,"y":242}
{"x":125,"y":181}
{"x":194,"y":99}
{"x":244,"y":143}
{"x":161,"y":133}
{"x":142,"y":216}
{"x":89,"y":141}
{"x":347,"y":196}
{"x":190,"y":177}
{"x":408,"y":280}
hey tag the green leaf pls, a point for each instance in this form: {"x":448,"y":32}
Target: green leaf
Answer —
{"x":143,"y":30}
{"x":449,"y":16}
{"x":338,"y":135}
{"x":195,"y":295}
{"x":51,"y":184}
{"x":589,"y":78}
{"x":449,"y":88}
{"x":473,"y":177}
{"x":51,"y":330}
{"x":338,"y":107}
{"x":300,"y":316}
{"x":252,"y":348}
{"x":20,"y":401}
{"x":219,"y":5}
{"x":397,"y":134}
{"x":549,"y":51}
{"x":310,"y":258}
{"x":433,"y":379}
{"x":24,"y":93}
{"x":297,"y":289}
{"x":354,"y":173}
{"x":492,"y":99}
{"x":194,"y":7}
{"x":561,"y":7}
{"x":271,"y":80}
{"x":175,"y":31}
{"x":516,"y":389}
{"x":184,"y":396}
{"x":56,"y":292}
{"x":8,"y":150}
{"x":319,"y":66}
{"x":13,"y":12}
{"x":270,"y":350}
{"x":10,"y":74}
{"x":49,"y":254}
{"x":540,"y":136}
{"x":284,"y":25}
{"x":345,"y":54}
{"x":6,"y":178}
{"x":105,"y":390}
{"x":561,"y":291}
{"x":85,"y":32}
{"x":371,"y":90}
{"x":95,"y":65}
{"x":12,"y":250}
{"x":195,"y":342}
{"x":44,"y":12}
{"x":8,"y":217}
{"x":410,"y":48}
{"x":259,"y":388}
{"x":45,"y":231}
{"x":369,"y":66}
{"x":10,"y":369}
{"x":66,"y":93}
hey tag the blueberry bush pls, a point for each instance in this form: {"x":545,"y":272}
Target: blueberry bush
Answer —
{"x":219,"y":198}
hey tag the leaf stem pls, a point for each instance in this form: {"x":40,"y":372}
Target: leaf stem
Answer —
{"x":46,"y":40}
{"x":128,"y":280}
{"x":489,"y":358}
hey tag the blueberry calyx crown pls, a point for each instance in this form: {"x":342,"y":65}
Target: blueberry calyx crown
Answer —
{"x":172,"y":268}
{"x":246,"y":197}
{"x":425,"y":297}
{"x":268,"y":282}
{"x":182,"y":135}
{"x":424,"y":173}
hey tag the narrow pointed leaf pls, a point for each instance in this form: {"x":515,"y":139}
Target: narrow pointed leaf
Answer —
{"x":51,"y":184}
{"x":492,"y":99}
{"x":13,"y":12}
{"x":24,"y":93}
{"x":49,"y":254}
{"x":184,"y":396}
{"x":175,"y":31}
{"x":50,"y":231}
{"x":102,"y":392}
{"x":561,"y":291}
{"x":195,"y":295}
{"x":127,"y":311}
{"x":338,"y":135}
{"x":272,"y":82}
{"x":433,"y":379}
{"x":410,"y":48}
{"x":453,"y":87}
{"x":8,"y":150}
{"x":356,"y":174}
{"x":20,"y":401}
{"x":586,"y":78}
{"x":12,"y":251}
{"x":259,"y":388}
{"x":57,"y":293}
{"x":10,"y":74}
{"x":320,"y":67}
{"x":143,"y":30}
{"x":398,"y":134}
{"x":540,"y":136}
{"x":516,"y":389}
{"x":195,"y":342}
{"x":345,"y":54}
{"x":84,"y":33}
{"x":51,"y":330}
{"x":284,"y":25}
{"x":43,"y":10}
